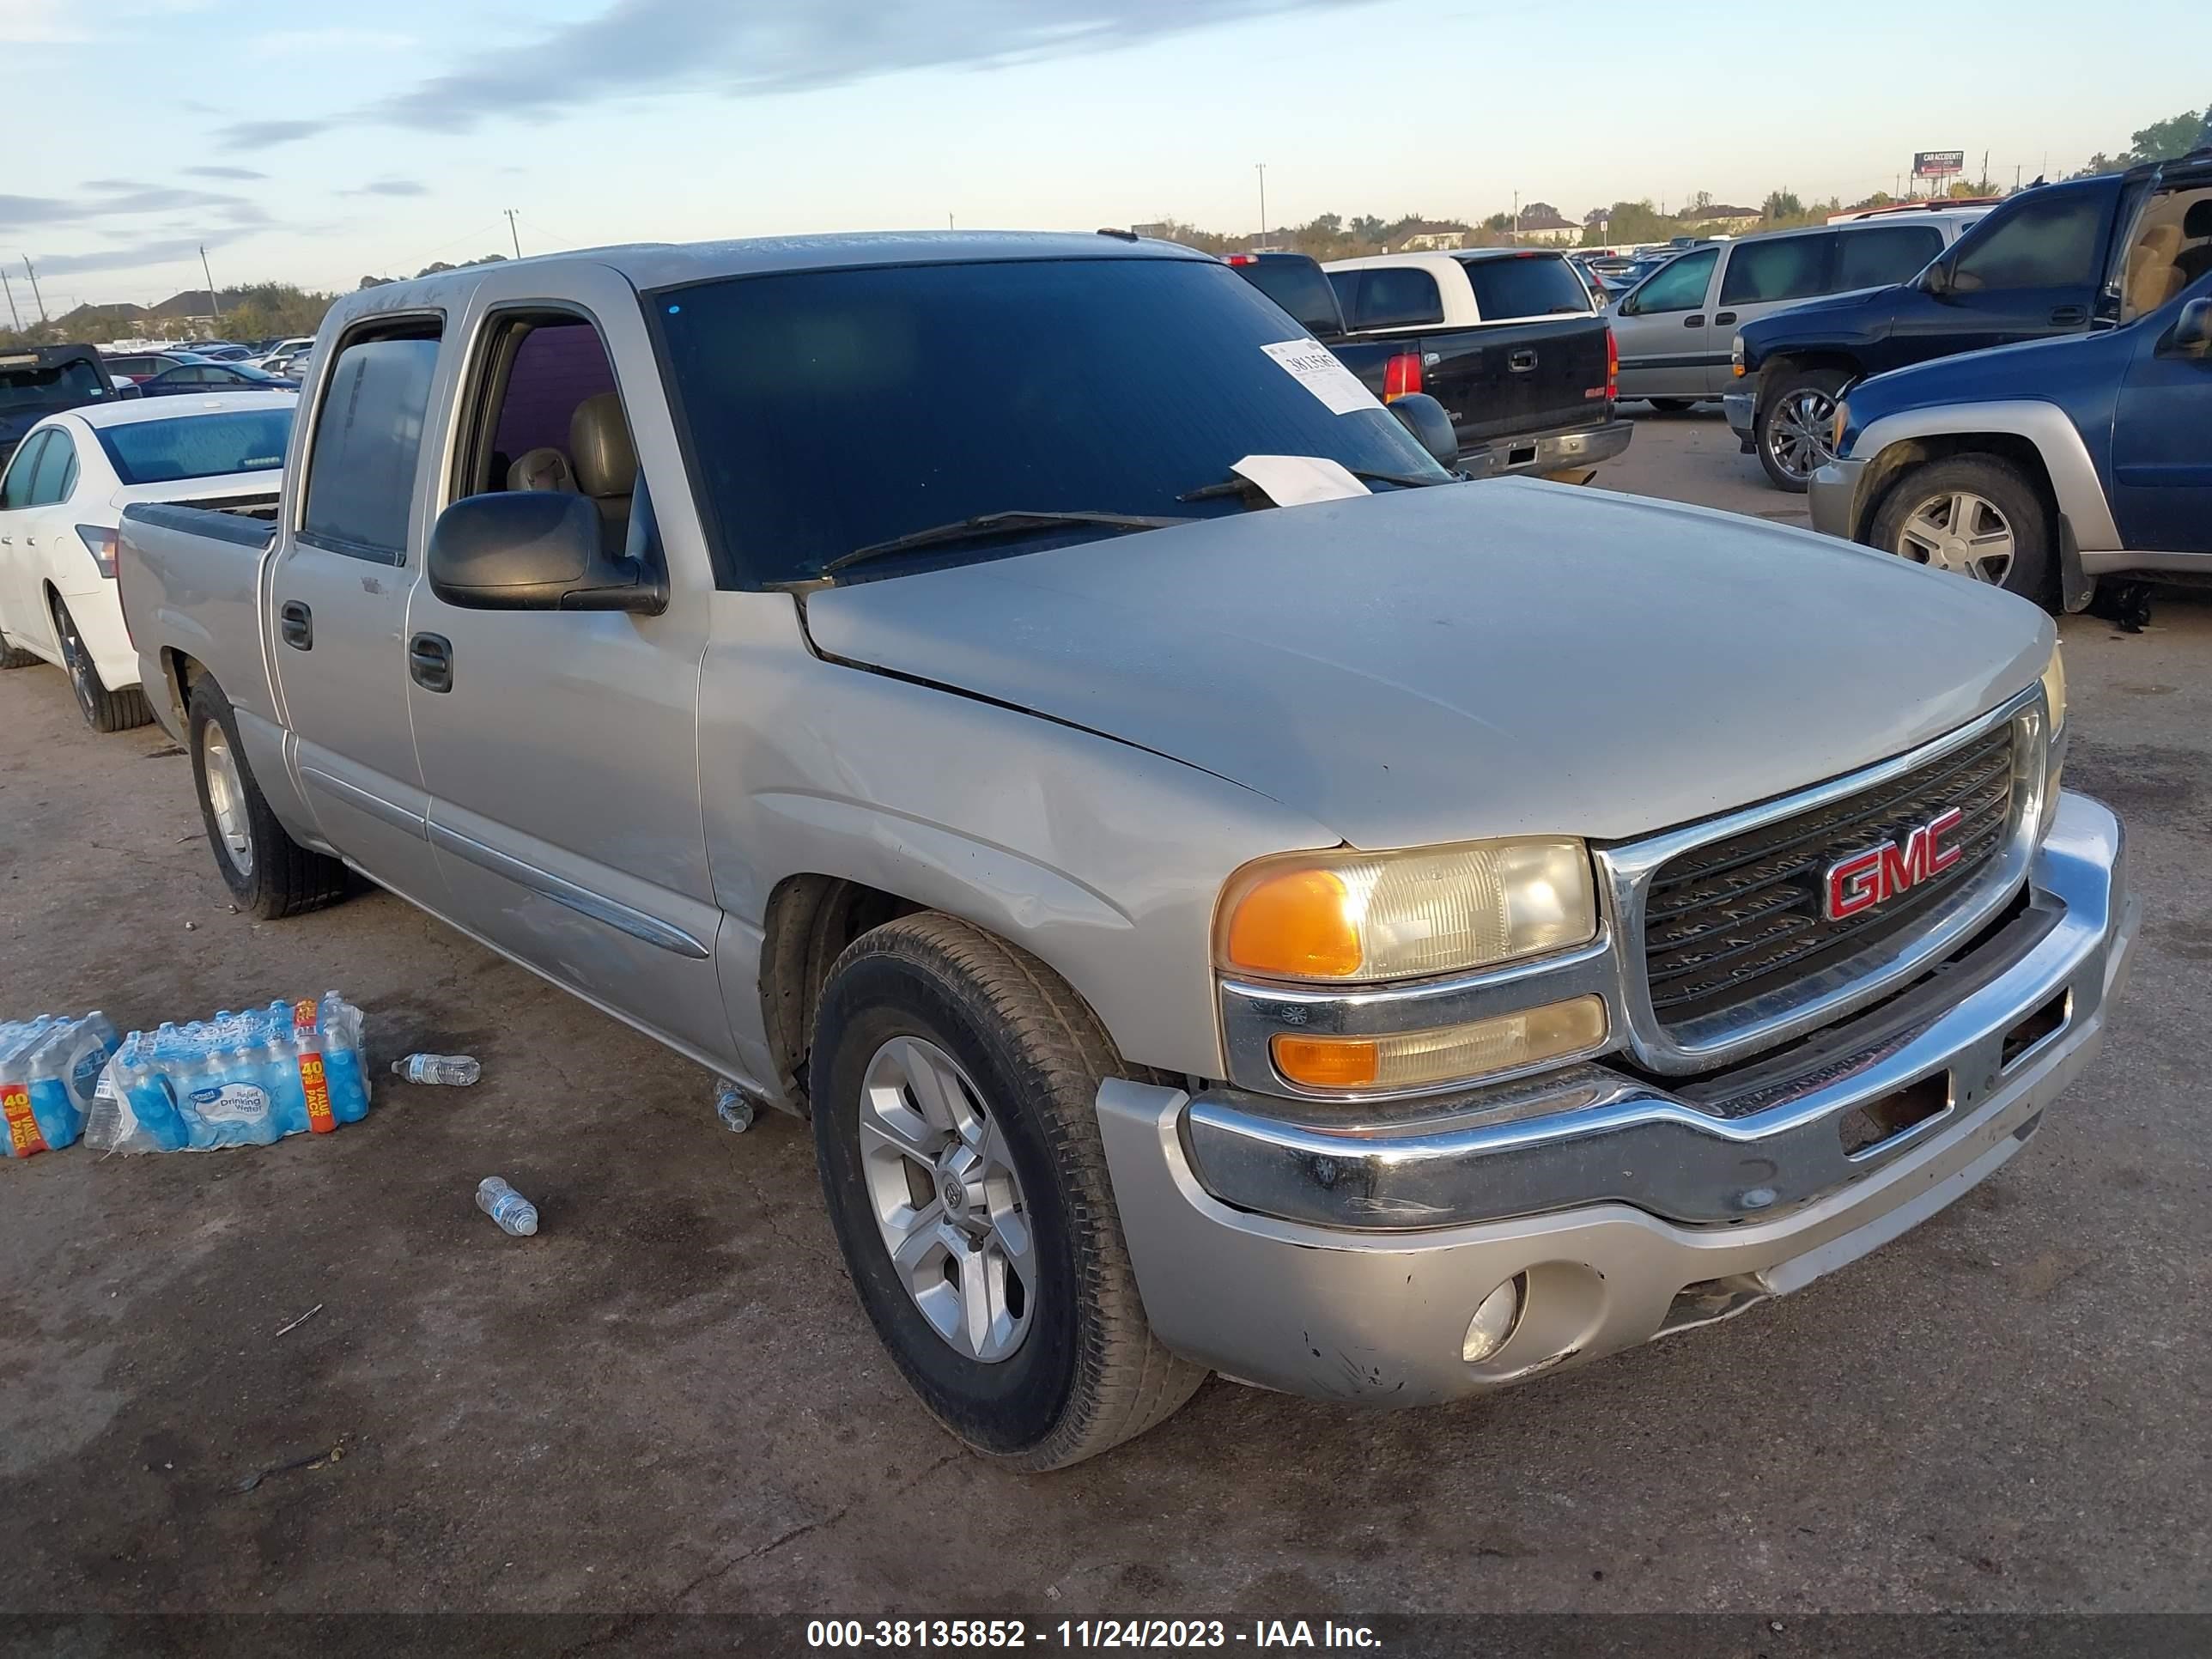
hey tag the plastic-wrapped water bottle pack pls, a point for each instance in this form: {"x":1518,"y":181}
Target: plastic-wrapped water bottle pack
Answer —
{"x":238,"y":1079}
{"x":49,"y":1070}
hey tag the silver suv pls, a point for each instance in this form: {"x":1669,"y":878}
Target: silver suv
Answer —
{"x":1673,"y":328}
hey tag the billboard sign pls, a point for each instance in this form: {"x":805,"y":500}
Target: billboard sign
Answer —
{"x":1938,"y":163}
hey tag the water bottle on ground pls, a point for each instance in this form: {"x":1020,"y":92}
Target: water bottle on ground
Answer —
{"x":516,"y":1215}
{"x":454,"y":1071}
{"x":732,"y":1107}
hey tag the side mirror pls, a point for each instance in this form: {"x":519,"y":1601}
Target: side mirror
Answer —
{"x":2192,"y":330}
{"x":1425,"y":417}
{"x":536,"y":550}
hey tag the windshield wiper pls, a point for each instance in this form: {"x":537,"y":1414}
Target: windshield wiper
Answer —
{"x":1236,"y":484}
{"x":995,"y":524}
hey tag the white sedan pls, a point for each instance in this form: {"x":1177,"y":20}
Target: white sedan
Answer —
{"x":62,"y":497}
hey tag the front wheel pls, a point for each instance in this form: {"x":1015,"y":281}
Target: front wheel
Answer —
{"x":1793,"y":428}
{"x":13,"y":657}
{"x":268,"y":872}
{"x":103,"y":710}
{"x":954,"y":1082}
{"x":1974,"y":515}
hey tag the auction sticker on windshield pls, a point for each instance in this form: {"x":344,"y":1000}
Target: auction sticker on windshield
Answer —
{"x":1315,"y":367}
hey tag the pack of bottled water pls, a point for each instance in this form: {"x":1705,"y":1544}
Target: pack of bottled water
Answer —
{"x":238,"y":1079}
{"x":49,"y":1070}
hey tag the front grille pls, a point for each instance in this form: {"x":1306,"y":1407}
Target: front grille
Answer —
{"x":1736,"y":920}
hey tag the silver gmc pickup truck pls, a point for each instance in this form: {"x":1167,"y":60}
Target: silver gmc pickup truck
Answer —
{"x":1229,"y":895}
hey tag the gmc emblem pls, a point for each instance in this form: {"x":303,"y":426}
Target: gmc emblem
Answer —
{"x":1866,"y":880}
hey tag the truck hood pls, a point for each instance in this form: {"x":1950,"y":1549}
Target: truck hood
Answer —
{"x":1471,"y":660}
{"x":1867,"y":305}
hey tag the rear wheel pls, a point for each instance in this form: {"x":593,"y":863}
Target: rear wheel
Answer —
{"x":1794,"y":427}
{"x":104,"y":710}
{"x":1976,"y":516}
{"x":267,"y":871}
{"x":12,"y":658}
{"x":954,"y":1085}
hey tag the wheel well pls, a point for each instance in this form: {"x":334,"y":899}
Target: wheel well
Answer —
{"x":1779,"y":367}
{"x":180,"y":673}
{"x":811,"y":919}
{"x":1894,"y":461}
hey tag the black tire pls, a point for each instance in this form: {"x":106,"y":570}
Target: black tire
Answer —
{"x":1822,"y":386}
{"x":2033,"y":571}
{"x":103,"y":710}
{"x":1088,"y":1374}
{"x":12,"y":658}
{"x":1673,"y":405}
{"x":280,"y":878}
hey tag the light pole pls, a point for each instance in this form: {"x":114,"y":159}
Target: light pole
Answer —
{"x":1262,"y":166}
{"x":40,"y":298}
{"x":13,"y":316}
{"x":213,"y":304}
{"x":512,"y":234}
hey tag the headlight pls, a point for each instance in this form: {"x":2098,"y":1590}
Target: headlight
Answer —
{"x":1735,"y":353}
{"x":1362,"y":916}
{"x":1840,"y":426}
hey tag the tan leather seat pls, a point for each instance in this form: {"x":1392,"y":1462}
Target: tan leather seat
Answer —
{"x":2194,"y":260}
{"x":606,"y":465}
{"x":543,"y":468}
{"x":2151,"y":278}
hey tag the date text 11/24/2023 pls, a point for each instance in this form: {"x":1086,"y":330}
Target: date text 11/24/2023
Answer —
{"x":895,"y":1634}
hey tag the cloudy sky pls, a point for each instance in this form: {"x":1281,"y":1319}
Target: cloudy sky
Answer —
{"x":317,"y":143}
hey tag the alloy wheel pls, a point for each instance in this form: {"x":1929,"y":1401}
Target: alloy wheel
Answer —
{"x":227,"y":799}
{"x":1797,"y":428}
{"x":1961,"y":532}
{"x":946,"y":1200}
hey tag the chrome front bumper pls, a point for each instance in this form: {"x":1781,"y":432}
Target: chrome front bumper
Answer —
{"x":1833,"y":495}
{"x":1739,"y":408}
{"x":1346,"y":1262}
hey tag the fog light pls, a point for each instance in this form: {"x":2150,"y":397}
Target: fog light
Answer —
{"x":1448,"y":1054}
{"x":1493,"y":1322}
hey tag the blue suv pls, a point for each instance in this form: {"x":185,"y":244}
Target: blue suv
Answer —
{"x":2042,"y":467}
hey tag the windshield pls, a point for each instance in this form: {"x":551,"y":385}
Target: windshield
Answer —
{"x":197,"y":445}
{"x":831,"y":411}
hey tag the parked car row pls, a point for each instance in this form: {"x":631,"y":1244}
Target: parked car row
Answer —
{"x":1228,"y":894}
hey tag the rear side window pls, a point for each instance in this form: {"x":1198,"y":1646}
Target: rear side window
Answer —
{"x":1885,"y":254}
{"x":368,"y":439}
{"x":16,"y":492}
{"x":2169,"y":253}
{"x":1525,"y":285}
{"x":2051,"y":243}
{"x":1787,"y":268}
{"x":1299,"y":286}
{"x":1396,"y":298}
{"x":56,"y":473}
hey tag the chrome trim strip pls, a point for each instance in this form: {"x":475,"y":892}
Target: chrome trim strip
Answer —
{"x":621,"y":917}
{"x":375,"y":805}
{"x":1754,"y":1146}
{"x":1625,"y":874}
{"x":1252,"y":1013}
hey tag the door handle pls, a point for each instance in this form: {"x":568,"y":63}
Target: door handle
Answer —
{"x":1695,"y":319}
{"x":295,"y":624}
{"x":1521,"y":361}
{"x":1721,"y":318}
{"x":2065,"y":316}
{"x":430,"y":662}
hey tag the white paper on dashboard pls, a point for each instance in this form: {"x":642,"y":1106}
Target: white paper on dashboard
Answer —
{"x":1297,"y":480}
{"x":1315,"y":367}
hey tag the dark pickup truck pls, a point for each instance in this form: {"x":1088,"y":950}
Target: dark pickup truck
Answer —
{"x":1530,"y":392}
{"x":36,"y":381}
{"x":2053,"y":260}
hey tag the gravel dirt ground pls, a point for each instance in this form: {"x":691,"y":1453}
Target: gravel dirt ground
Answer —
{"x":668,"y":1401}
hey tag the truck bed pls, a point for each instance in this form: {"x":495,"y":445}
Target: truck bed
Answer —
{"x":190,"y":578}
{"x":1500,"y":380}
